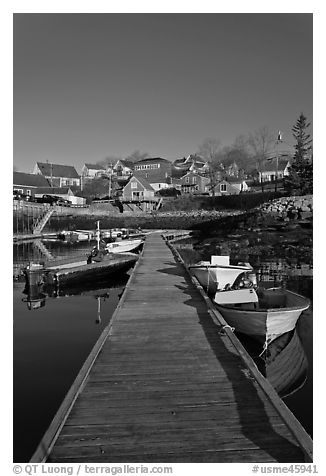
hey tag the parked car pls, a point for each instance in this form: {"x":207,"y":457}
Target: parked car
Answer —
{"x":54,"y":200}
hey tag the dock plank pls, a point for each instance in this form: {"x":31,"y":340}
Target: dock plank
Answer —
{"x":166,"y":386}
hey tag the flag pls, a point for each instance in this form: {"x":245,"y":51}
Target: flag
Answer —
{"x":279,"y":135}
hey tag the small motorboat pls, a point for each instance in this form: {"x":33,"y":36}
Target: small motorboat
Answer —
{"x":124,"y":246}
{"x":74,"y":236}
{"x":218,"y":273}
{"x":262,"y":313}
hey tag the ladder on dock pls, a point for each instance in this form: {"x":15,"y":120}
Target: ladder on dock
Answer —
{"x":43,"y":249}
{"x":42,"y":220}
{"x":165,"y":383}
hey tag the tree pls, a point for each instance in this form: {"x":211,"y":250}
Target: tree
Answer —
{"x":237,"y":153}
{"x":301,"y":171}
{"x":209,"y":149}
{"x":109,"y":160}
{"x":96,"y":188}
{"x":261,"y":142}
{"x":137,"y":155}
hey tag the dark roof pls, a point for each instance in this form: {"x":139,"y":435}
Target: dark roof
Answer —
{"x":179,"y":162}
{"x":153,"y":175}
{"x":57,"y":170}
{"x":127,"y":163}
{"x":270,"y":165}
{"x":143,"y":181}
{"x":151,"y":160}
{"x":30,"y":180}
{"x":177,"y":172}
{"x":95,"y":166}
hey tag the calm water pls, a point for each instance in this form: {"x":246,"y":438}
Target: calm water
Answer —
{"x":50,"y":345}
{"x":52,"y":342}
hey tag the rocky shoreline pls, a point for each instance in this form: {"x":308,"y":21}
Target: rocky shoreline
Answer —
{"x":282,"y":228}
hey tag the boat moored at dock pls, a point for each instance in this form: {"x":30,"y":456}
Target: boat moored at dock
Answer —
{"x":262,"y":313}
{"x":218,"y":273}
{"x":124,"y":246}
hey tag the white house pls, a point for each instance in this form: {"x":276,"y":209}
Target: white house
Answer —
{"x":90,"y":171}
{"x":274,"y":168}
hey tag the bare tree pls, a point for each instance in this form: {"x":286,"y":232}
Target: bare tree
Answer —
{"x":137,"y":155}
{"x":109,"y":160}
{"x":210,"y":150}
{"x":261,"y":143}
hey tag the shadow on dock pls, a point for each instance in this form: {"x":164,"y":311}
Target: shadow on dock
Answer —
{"x":256,"y":426}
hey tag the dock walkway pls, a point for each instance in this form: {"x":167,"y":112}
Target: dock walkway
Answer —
{"x":167,"y":385}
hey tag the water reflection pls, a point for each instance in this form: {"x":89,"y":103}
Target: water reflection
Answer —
{"x":54,"y":332}
{"x":284,"y":363}
{"x":43,"y":250}
{"x":36,"y":295}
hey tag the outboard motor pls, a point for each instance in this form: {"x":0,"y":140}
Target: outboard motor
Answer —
{"x":253,"y":279}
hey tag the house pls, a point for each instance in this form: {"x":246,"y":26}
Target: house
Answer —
{"x":232,"y":170}
{"x":123,"y":168}
{"x":138,"y":189}
{"x":274,"y":168}
{"x":192,"y":162}
{"x":230,"y":186}
{"x":194,"y":182}
{"x":28,"y":184}
{"x":58,"y":175}
{"x":90,"y":171}
{"x":155,"y":171}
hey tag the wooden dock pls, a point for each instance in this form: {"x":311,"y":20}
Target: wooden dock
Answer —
{"x":166,"y":382}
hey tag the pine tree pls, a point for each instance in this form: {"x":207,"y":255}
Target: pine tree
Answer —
{"x":301,"y":171}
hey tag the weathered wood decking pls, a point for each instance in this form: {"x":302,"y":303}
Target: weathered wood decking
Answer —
{"x":167,"y":386}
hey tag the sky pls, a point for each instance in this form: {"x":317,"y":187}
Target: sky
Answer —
{"x":89,"y":86}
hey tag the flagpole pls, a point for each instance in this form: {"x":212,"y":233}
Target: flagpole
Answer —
{"x":279,"y":139}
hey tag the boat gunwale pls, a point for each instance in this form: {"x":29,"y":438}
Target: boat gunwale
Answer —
{"x":210,"y":266}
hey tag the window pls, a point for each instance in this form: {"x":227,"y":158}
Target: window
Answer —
{"x":194,"y":179}
{"x":133,"y":184}
{"x":187,"y":179}
{"x":223,"y":187}
{"x":28,"y":192}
